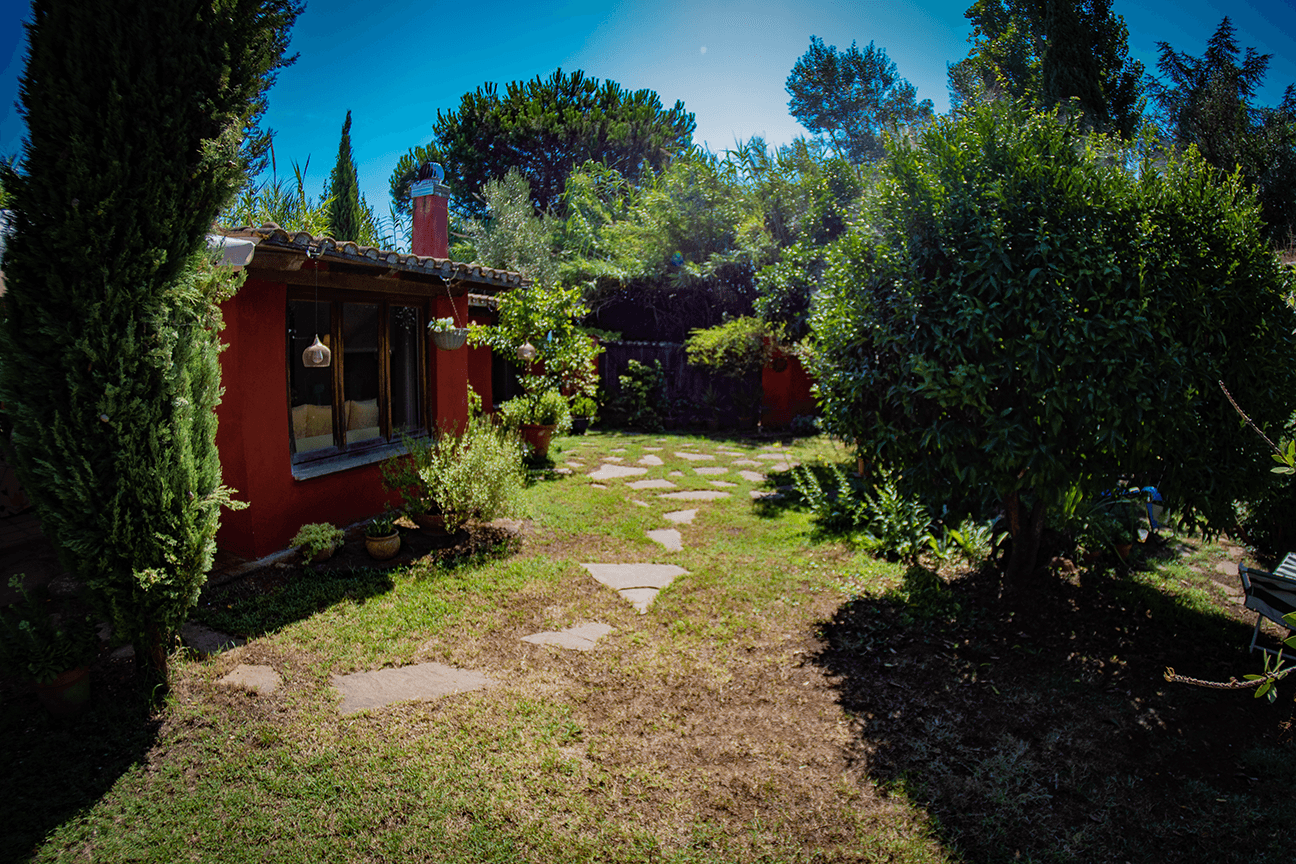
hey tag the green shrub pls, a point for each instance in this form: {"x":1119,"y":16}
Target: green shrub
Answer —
{"x":880,"y":519}
{"x":643,"y":391}
{"x":473,"y":475}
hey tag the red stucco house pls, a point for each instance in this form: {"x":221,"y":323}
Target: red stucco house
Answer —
{"x":304,"y":444}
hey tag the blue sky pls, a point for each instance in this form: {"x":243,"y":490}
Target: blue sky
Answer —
{"x":395,"y":64}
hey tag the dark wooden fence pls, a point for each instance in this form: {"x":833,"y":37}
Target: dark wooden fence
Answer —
{"x":691,"y":396}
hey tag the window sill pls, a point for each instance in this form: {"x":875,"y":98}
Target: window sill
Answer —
{"x":346,"y":461}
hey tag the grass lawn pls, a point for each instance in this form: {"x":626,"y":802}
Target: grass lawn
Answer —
{"x":787,"y":700}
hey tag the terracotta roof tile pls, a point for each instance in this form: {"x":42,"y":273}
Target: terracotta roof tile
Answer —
{"x":271,"y":236}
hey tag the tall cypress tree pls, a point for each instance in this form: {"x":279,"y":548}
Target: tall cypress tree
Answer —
{"x":345,"y":215}
{"x":142,"y":120}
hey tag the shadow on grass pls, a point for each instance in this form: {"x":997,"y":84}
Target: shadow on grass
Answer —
{"x":271,"y":599}
{"x":50,"y":769}
{"x":1043,"y":729}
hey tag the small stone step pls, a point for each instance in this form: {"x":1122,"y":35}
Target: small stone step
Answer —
{"x":363,"y":690}
{"x":261,"y":679}
{"x":581,"y":638}
{"x":667,"y":537}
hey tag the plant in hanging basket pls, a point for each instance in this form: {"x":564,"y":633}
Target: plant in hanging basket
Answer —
{"x":446,"y":335}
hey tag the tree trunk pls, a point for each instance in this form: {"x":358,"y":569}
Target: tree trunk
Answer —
{"x":151,"y":665}
{"x":1026,"y":543}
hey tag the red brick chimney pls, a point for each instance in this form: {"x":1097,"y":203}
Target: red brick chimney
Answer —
{"x":430,"y":197}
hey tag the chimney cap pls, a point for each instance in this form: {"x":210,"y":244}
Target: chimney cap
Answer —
{"x":430,"y":171}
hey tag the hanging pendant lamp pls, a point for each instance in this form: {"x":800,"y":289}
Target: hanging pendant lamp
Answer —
{"x":317,"y":355}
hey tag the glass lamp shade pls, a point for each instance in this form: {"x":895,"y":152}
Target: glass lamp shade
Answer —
{"x":316,"y":355}
{"x":526,"y":352}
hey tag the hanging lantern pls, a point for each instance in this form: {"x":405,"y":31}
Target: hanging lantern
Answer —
{"x":317,"y":355}
{"x":526,"y":352}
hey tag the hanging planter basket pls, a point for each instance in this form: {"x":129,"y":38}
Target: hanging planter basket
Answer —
{"x":450,"y":340}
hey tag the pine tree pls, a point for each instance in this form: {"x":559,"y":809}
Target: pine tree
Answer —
{"x":345,"y":213}
{"x":142,"y":121}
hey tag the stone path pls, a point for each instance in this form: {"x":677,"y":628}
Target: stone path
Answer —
{"x":581,"y":638}
{"x":259,"y":679}
{"x":422,"y":681}
{"x":636,"y":583}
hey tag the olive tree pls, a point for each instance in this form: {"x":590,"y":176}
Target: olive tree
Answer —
{"x":1033,"y":312}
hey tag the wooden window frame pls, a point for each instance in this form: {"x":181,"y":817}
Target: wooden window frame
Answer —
{"x":341,"y":456}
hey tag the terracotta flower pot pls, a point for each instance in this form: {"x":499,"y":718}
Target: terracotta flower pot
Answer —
{"x":382,"y":548}
{"x":538,"y":437}
{"x":432,"y":523}
{"x":68,"y":694}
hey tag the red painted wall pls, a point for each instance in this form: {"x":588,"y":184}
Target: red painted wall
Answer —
{"x":787,"y":393}
{"x":253,"y":437}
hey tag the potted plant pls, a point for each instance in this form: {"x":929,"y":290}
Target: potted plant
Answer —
{"x":538,"y":417}
{"x":52,"y":651}
{"x":318,"y":541}
{"x":584,"y":411}
{"x":446,"y":334}
{"x":382,"y":540}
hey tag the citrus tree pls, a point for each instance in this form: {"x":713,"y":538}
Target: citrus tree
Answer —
{"x":1032,"y":312}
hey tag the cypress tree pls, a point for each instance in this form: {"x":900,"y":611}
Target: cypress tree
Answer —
{"x":345,"y":215}
{"x":142,"y":120}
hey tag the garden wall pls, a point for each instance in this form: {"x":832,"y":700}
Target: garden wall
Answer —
{"x":687,"y":402}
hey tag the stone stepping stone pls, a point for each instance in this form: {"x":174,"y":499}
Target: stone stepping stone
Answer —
{"x":563,"y":471}
{"x":675,"y":474}
{"x":653,"y":449}
{"x":695,"y":457}
{"x":752,"y":476}
{"x":652,"y":484}
{"x":205,"y":641}
{"x":638,"y":584}
{"x":723,"y":484}
{"x":263,"y":679}
{"x":598,"y":485}
{"x":638,"y":503}
{"x":695,"y":495}
{"x":650,"y":460}
{"x":751,"y":462}
{"x":575,"y":464}
{"x":714,"y":469}
{"x":765,"y":495}
{"x":681,"y":517}
{"x":363,"y":690}
{"x":667,"y":537}
{"x":609,"y":472}
{"x":581,"y":638}
{"x":613,"y":458}
{"x":618,"y":449}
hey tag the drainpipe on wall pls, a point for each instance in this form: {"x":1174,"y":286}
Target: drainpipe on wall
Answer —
{"x":431,"y":230}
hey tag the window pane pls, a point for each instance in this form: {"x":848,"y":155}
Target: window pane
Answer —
{"x":310,"y":391}
{"x":405,"y":336}
{"x":360,"y":377}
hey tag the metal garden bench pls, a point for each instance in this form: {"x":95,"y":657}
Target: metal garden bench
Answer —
{"x":1270,"y":595}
